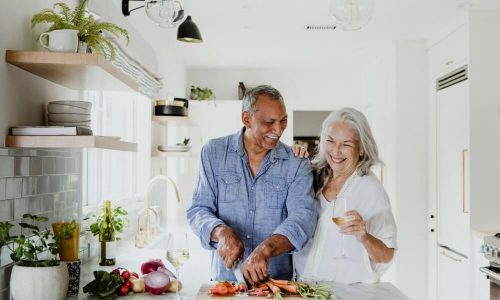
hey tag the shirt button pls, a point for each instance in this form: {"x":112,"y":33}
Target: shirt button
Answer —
{"x":248,"y":236}
{"x":251,"y":211}
{"x":253,"y":188}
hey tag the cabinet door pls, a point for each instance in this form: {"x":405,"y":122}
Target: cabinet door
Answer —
{"x":453,"y":276}
{"x":450,"y":53}
{"x":453,"y":167}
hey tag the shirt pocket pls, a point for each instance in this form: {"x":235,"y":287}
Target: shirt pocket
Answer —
{"x":228,"y":186}
{"x":276,"y":191}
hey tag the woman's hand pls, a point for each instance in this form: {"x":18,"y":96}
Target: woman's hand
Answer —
{"x":300,"y":151}
{"x":355,"y":227}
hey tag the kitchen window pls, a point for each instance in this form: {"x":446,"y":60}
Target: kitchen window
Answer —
{"x":117,"y":175}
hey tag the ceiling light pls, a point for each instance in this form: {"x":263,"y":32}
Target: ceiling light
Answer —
{"x":167,"y":14}
{"x":189,"y":32}
{"x":351,"y":14}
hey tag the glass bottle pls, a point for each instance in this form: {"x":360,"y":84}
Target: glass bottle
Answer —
{"x":107,"y":237}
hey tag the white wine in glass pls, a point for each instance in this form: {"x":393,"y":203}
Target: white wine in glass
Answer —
{"x":339,"y":218}
{"x":177,"y":255}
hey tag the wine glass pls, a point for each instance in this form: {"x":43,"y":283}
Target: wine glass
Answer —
{"x":339,"y":218}
{"x":177,"y":255}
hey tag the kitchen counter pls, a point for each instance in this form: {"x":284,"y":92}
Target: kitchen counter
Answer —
{"x":131,"y":258}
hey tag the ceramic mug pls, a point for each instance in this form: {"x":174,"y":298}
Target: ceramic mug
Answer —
{"x":74,"y":277}
{"x":61,"y":40}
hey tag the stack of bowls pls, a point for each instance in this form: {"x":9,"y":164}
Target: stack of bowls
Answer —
{"x":69,"y":113}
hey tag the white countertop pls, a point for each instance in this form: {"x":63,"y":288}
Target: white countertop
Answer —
{"x":131,"y":258}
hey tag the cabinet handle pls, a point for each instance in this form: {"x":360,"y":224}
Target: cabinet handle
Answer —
{"x":449,"y":256}
{"x":464,"y":152}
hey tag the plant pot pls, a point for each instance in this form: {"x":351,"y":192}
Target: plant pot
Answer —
{"x":68,"y":249}
{"x":41,"y":283}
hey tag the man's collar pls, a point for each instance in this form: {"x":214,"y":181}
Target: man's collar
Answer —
{"x":236,"y":145}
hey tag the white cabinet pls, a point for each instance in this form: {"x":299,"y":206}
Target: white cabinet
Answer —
{"x":452,"y":106}
{"x":453,"y":275}
{"x":450,"y":52}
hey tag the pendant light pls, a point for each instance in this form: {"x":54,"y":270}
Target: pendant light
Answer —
{"x":351,"y":14}
{"x":189,"y":32}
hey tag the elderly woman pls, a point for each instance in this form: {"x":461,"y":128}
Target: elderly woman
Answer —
{"x":361,"y":247}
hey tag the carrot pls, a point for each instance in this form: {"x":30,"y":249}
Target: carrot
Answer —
{"x":276,"y":290}
{"x":293,"y":289}
{"x":280,"y":282}
{"x":219,"y":290}
{"x":263,"y":287}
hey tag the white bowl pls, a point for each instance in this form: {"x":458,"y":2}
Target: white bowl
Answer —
{"x":80,"y":104}
{"x":64,"y":118}
{"x":69,"y":123}
{"x":55,"y":108}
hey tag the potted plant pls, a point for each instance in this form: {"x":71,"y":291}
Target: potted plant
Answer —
{"x":89,"y":30}
{"x":28,"y":250}
{"x":119,"y":217}
{"x":198,"y":93}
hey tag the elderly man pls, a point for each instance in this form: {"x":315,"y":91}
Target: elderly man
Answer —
{"x":253,"y":199}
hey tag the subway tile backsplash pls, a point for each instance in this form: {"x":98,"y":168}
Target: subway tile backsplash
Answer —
{"x":36,"y":181}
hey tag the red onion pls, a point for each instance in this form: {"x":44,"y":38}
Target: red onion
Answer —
{"x":151,"y":266}
{"x":156,"y":282}
{"x":166,"y":271}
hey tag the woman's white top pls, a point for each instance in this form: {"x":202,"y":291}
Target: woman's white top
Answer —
{"x":319,"y":260}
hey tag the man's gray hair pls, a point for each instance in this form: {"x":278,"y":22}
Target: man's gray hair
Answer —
{"x":367,"y":144}
{"x":250,"y":98}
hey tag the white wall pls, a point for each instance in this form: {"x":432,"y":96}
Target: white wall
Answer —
{"x":23,"y":95}
{"x":484,"y":119}
{"x":411,"y":166}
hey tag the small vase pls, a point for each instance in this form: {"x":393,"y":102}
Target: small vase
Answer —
{"x":74,"y":277}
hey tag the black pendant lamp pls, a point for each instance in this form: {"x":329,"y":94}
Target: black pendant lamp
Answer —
{"x":189,"y":32}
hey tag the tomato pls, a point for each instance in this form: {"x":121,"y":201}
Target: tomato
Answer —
{"x":128,"y":283}
{"x":116,"y":271}
{"x":124,"y":290}
{"x":126,"y":275}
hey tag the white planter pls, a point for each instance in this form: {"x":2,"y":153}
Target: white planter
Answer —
{"x":41,"y":283}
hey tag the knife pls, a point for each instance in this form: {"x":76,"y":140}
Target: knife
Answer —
{"x":239,"y":275}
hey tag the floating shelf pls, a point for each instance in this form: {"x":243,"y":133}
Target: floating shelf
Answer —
{"x":157,"y":153}
{"x":77,"y":71}
{"x":163,"y":120}
{"x":80,"y":141}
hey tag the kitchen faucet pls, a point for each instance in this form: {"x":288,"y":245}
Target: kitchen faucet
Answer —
{"x":148,"y":221}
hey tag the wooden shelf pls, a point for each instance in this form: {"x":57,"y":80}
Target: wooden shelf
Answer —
{"x":77,"y":71}
{"x":57,"y":141}
{"x":163,"y":120}
{"x":157,"y":153}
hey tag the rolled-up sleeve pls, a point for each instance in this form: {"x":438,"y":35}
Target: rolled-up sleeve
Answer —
{"x":301,"y":221}
{"x":202,"y":214}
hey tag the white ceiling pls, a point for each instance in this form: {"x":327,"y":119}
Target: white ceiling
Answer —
{"x":271,"y":33}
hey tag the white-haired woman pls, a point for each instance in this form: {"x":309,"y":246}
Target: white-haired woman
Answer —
{"x":363,"y":247}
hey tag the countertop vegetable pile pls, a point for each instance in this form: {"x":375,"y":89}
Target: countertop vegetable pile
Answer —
{"x":156,"y":279}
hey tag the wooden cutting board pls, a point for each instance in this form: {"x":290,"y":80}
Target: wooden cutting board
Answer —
{"x":204,"y":294}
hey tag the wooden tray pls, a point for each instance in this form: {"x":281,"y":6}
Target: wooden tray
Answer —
{"x":204,"y":294}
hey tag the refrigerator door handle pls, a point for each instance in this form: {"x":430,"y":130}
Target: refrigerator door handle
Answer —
{"x":464,"y":181}
{"x":449,"y":256}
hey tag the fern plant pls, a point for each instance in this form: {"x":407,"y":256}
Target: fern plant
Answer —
{"x":89,"y":31}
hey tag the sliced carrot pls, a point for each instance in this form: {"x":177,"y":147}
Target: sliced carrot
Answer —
{"x":263,"y":286}
{"x":219,"y":290}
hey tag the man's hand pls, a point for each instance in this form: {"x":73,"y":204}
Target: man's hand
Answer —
{"x":256,"y":266}
{"x":230,"y":247}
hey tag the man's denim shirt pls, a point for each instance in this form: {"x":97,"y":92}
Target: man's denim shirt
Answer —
{"x":279,"y":200}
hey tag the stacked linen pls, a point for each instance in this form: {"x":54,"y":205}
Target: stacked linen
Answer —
{"x":69,"y":113}
{"x":150,"y":83}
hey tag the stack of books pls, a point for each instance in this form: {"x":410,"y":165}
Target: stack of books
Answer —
{"x":50,"y":130}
